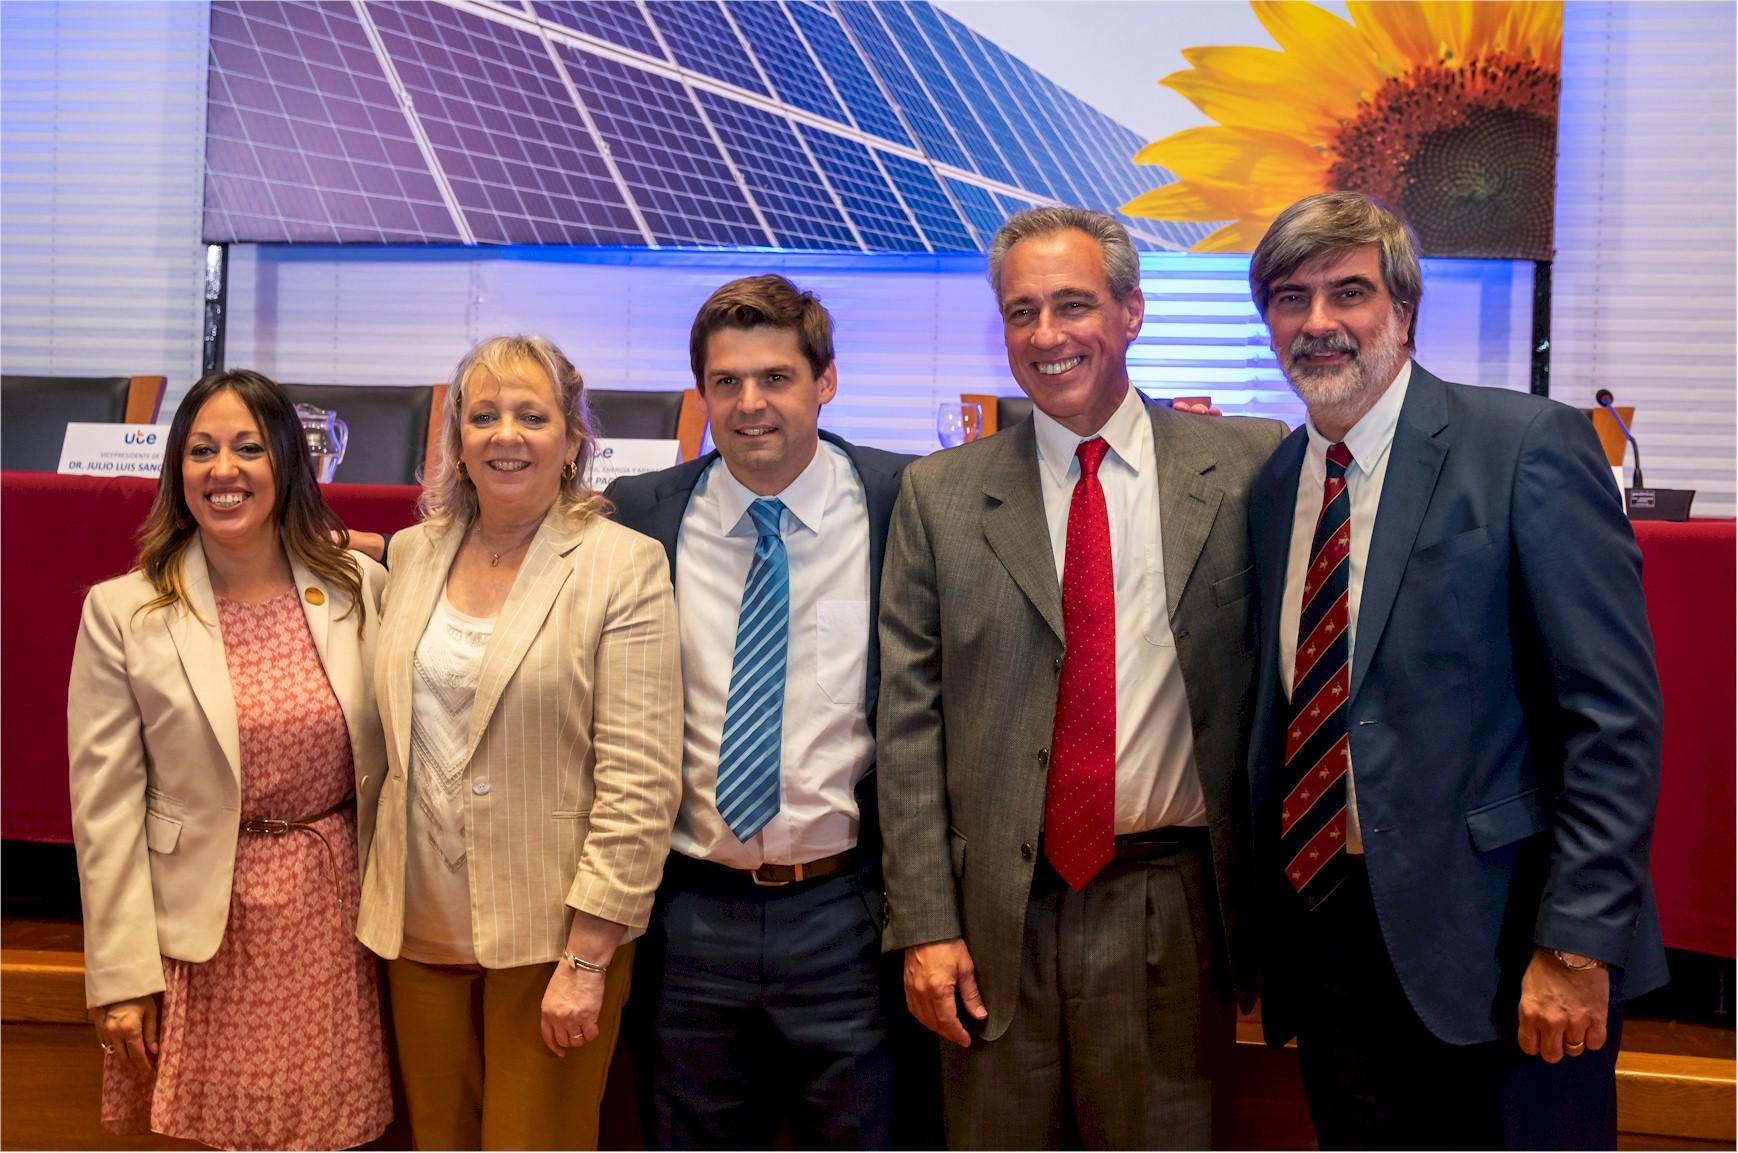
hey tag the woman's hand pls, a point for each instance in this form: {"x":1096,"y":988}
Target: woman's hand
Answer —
{"x":571,"y":1005}
{"x":129,"y":1030}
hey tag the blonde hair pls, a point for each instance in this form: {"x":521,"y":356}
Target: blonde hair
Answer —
{"x":448,"y":496}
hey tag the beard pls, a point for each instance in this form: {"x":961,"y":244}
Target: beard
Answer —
{"x":1354,"y":385}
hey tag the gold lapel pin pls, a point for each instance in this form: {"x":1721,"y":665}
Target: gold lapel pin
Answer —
{"x":315,"y":597}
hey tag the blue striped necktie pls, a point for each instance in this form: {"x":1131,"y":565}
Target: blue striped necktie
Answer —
{"x":748,"y":754}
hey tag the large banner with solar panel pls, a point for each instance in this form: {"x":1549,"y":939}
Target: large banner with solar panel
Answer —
{"x":885,"y":126}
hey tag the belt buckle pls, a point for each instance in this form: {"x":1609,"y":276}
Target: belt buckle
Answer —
{"x":273,"y":826}
{"x":796,"y":875}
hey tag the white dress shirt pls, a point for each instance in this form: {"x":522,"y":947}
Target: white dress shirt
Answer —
{"x":1156,"y":780}
{"x":1368,"y":441}
{"x":827,"y":744}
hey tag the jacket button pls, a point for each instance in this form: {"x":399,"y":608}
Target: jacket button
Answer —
{"x":1056,"y":664}
{"x":1044,"y":756}
{"x":481,"y":788}
{"x":1026,"y":852}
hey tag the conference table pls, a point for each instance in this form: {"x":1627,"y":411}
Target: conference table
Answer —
{"x":64,"y":533}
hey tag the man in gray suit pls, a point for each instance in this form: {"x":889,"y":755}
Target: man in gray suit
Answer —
{"x":1067,"y":664}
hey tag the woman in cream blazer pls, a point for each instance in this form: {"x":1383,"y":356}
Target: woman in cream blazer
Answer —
{"x":156,"y":765}
{"x":213,"y":784}
{"x":522,"y":841}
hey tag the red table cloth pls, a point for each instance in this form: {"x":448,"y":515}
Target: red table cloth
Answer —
{"x":64,"y":533}
{"x":1687,"y":574}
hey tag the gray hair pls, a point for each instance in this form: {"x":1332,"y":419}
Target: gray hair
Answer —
{"x":1333,"y":222}
{"x":1122,"y":264}
{"x":448,"y":496}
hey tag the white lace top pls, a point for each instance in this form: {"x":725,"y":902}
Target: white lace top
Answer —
{"x":437,"y":897}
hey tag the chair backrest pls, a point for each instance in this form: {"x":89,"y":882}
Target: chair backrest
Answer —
{"x":1611,"y":437}
{"x":392,"y":428}
{"x":676,"y":414}
{"x":999,"y":411}
{"x":35,"y":410}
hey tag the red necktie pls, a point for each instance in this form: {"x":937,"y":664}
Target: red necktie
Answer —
{"x":1080,"y":801}
{"x":1312,"y":822}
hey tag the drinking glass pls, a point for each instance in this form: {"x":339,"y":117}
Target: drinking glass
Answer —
{"x":957,"y":422}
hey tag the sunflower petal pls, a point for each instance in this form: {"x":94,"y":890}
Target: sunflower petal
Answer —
{"x":1273,"y":107}
{"x":1239,"y":156}
{"x":1401,"y":34}
{"x":1238,"y":236}
{"x":1338,"y":53}
{"x":1534,"y":31}
{"x":1177,"y":201}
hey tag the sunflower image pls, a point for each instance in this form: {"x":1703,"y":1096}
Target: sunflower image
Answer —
{"x":1445,"y":110}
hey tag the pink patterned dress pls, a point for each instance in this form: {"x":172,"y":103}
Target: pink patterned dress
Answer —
{"x":276,"y":1042}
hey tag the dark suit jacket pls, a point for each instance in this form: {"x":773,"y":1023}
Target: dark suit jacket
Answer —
{"x":654,"y":503}
{"x":1505,"y":710}
{"x":971,"y":629}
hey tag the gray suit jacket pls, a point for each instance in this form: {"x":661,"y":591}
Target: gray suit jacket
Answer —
{"x":971,"y":643}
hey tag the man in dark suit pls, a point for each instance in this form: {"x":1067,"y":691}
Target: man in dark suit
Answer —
{"x":763,"y":995}
{"x":1456,"y":749}
{"x":1067,"y":645}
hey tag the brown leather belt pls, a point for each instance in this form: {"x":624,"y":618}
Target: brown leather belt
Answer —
{"x":277,"y":827}
{"x":771,"y":876}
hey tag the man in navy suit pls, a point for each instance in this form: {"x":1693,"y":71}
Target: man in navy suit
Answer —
{"x":1457,"y":734}
{"x":763,"y":995}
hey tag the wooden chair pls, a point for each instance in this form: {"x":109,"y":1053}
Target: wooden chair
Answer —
{"x":1611,"y":437}
{"x":999,"y":411}
{"x":35,"y":410}
{"x":673,"y":414}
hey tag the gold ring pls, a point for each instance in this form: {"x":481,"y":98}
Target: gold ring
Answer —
{"x":1574,"y":1046}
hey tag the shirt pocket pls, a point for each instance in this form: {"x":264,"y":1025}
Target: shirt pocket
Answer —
{"x":842,"y":649}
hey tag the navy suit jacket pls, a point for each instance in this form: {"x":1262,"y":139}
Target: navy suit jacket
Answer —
{"x":1504,"y":709}
{"x":654,"y":503}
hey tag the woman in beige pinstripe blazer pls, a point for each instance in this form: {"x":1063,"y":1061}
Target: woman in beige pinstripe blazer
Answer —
{"x":529,"y":685}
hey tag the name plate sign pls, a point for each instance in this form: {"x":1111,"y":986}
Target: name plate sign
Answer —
{"x":113,"y":449}
{"x":618,"y":456}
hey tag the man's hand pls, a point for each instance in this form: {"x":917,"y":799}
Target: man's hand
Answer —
{"x":1562,"y":1010}
{"x":370,"y":544}
{"x":934,"y":974}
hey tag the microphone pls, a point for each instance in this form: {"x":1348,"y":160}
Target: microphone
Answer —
{"x":1603,"y":398}
{"x":1641,"y":502}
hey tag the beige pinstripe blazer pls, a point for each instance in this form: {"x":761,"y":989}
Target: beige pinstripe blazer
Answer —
{"x":575,"y":755}
{"x":155,"y":758}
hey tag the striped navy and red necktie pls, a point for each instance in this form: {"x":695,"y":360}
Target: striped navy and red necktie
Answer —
{"x":1312,"y":827}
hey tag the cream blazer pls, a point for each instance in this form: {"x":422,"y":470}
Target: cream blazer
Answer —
{"x":155,"y":762}
{"x":573,"y":769}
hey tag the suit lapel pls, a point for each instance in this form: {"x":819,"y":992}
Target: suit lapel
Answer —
{"x":1418,"y":452}
{"x":1273,"y":542}
{"x":337,"y":650}
{"x":545,"y":570}
{"x":317,"y":610}
{"x":200,"y":647}
{"x":1015,"y":528}
{"x":1188,"y":500}
{"x":880,"y":492}
{"x":423,"y":580}
{"x":670,"y":501}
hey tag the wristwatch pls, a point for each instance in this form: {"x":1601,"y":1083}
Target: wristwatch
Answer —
{"x":1575,"y":962}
